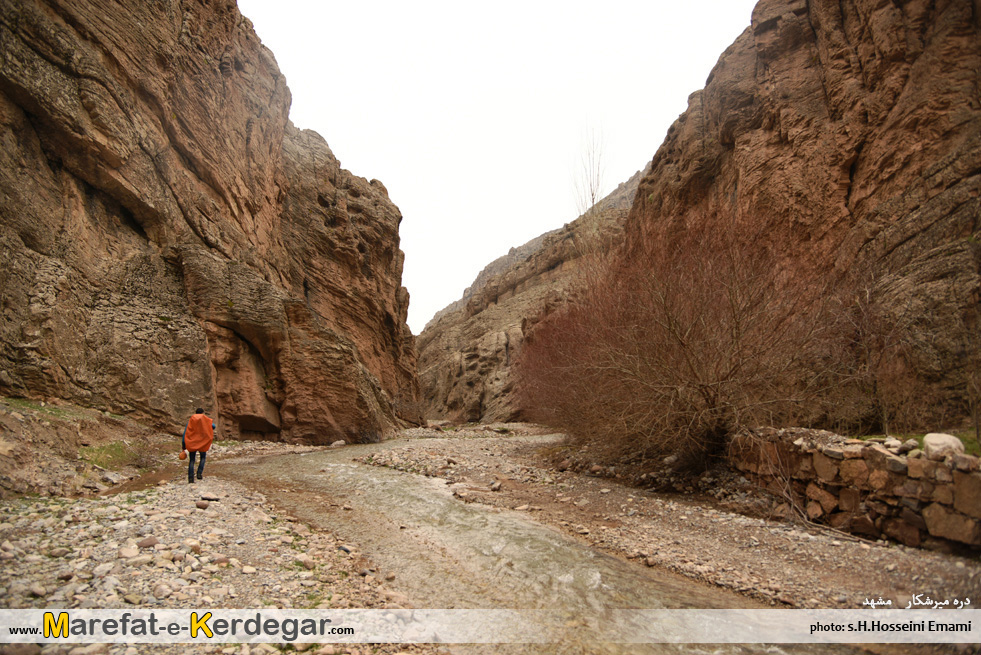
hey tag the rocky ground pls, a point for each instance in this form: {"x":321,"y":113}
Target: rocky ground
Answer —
{"x":696,"y":534}
{"x":176,"y":545}
{"x":157,"y":541}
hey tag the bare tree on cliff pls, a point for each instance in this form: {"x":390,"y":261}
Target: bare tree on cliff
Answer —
{"x":588,"y":178}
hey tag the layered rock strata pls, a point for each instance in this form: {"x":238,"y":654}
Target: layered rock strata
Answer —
{"x":841,"y":135}
{"x":467,"y":350}
{"x":170,"y":239}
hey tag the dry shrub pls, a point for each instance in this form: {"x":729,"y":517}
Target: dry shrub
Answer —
{"x":901,"y":365}
{"x":671,"y":356}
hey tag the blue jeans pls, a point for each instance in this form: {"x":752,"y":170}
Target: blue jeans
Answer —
{"x":190,"y":465}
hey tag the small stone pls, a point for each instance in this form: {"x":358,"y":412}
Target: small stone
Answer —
{"x":133,"y":599}
{"x":202,"y":504}
{"x":338,"y":443}
{"x":20,"y":649}
{"x":896,"y":465}
{"x":495,"y":486}
{"x":908,"y":446}
{"x":162,"y":591}
{"x":58,"y":552}
{"x":91,"y":649}
{"x":966,"y":463}
{"x":38,"y":590}
{"x":128,"y":552}
{"x":149,"y":542}
{"x":605,"y":491}
{"x":833,"y":453}
{"x":248,"y":569}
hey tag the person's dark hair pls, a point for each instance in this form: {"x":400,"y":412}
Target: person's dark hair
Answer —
{"x":199,"y":411}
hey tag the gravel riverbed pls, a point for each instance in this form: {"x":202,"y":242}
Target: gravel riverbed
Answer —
{"x":210,"y":544}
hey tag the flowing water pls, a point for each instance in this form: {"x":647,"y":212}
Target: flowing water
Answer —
{"x":449,"y":554}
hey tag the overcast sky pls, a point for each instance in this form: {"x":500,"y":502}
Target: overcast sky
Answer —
{"x":474,"y":115}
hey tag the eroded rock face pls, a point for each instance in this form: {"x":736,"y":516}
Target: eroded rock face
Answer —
{"x":466,"y":351}
{"x":170,"y":239}
{"x":841,"y":135}
{"x":834,"y":133}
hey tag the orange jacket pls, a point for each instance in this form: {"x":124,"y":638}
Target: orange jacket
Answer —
{"x":199,"y":433}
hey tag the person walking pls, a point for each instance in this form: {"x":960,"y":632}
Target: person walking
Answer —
{"x":198,"y":435}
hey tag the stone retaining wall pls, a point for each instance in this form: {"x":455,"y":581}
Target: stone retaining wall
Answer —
{"x":876,"y":488}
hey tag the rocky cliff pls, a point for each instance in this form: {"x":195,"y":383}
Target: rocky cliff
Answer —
{"x":841,"y":135}
{"x":467,"y":349}
{"x":170,"y":239}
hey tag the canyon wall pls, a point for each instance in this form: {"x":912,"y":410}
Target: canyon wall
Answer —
{"x":170,"y":240}
{"x":466,"y":351}
{"x":841,"y":136}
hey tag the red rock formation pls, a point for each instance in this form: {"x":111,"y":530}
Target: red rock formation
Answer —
{"x":170,"y":239}
{"x":843,"y":132}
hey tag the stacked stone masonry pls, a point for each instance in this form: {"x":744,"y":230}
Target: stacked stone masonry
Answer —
{"x":875,"y":488}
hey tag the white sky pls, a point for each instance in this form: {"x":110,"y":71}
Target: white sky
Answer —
{"x":474,"y":115}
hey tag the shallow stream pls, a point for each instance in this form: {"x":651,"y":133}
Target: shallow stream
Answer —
{"x":450,"y":554}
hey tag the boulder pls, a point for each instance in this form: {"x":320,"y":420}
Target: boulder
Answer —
{"x":937,"y":446}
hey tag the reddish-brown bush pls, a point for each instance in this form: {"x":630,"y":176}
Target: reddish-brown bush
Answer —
{"x":669,"y":357}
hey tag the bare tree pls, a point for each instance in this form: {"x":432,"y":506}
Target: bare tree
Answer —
{"x":588,"y":178}
{"x":670,"y":356}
